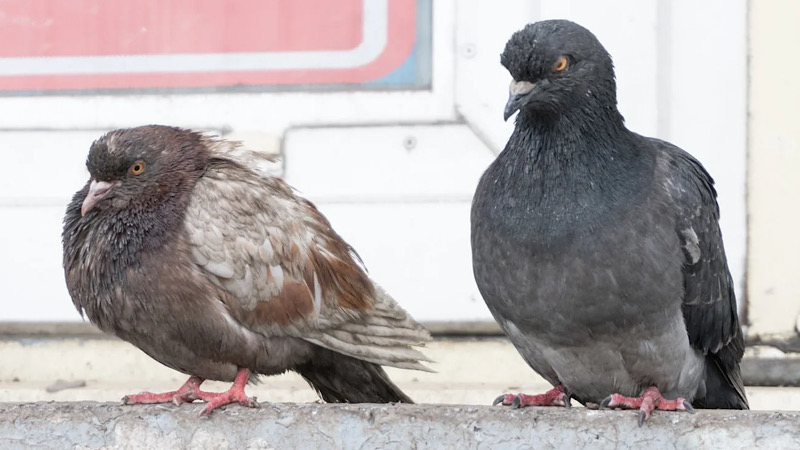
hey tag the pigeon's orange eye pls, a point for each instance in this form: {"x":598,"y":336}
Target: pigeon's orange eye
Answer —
{"x":137,"y":167}
{"x":560,"y":64}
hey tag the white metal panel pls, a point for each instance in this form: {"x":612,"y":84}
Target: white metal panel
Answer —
{"x":46,"y":169}
{"x":441,"y":162}
{"x":30,"y":265}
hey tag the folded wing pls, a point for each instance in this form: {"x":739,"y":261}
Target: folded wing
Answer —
{"x":288,"y":272}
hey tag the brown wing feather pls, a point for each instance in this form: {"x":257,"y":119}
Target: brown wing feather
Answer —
{"x":334,"y":265}
{"x":231,"y":245}
{"x":288,"y":271}
{"x":294,"y":302}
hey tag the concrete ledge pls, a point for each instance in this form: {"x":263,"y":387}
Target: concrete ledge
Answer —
{"x":320,"y":426}
{"x":27,"y":330}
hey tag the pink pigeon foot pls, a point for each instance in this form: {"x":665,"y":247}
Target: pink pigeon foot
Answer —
{"x":554,"y":397}
{"x":184,"y":394}
{"x":233,"y":395}
{"x":651,"y":399}
{"x":190,"y":391}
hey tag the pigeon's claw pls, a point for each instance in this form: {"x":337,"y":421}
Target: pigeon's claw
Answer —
{"x":643,"y":415}
{"x":504,"y":399}
{"x":554,"y":397}
{"x":214,"y":401}
{"x":650,"y":400}
{"x":233,"y":395}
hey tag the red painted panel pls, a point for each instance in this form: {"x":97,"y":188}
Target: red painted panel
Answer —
{"x":137,"y":27}
{"x":53,"y":28}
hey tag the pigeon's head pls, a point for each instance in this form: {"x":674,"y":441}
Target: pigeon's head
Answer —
{"x":140,"y":167}
{"x":556,"y":65}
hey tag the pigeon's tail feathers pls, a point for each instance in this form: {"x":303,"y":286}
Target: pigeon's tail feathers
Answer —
{"x":343,"y":379}
{"x":387,"y":336}
{"x":724,"y":386}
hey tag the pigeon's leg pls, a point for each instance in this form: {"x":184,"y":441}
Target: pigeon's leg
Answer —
{"x":184,"y":394}
{"x":233,"y":395}
{"x":554,"y":397}
{"x":651,"y":399}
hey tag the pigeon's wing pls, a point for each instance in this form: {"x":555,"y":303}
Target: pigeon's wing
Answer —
{"x":287,"y":272}
{"x":709,"y":302}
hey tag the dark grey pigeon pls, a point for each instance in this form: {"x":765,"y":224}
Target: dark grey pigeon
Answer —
{"x":598,"y":250}
{"x":180,"y":245}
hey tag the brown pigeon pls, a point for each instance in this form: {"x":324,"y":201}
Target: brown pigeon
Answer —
{"x":183,"y":246}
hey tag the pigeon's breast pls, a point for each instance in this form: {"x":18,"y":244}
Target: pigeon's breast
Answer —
{"x":585,"y":263}
{"x":165,"y":306}
{"x":602,"y":295}
{"x":594,"y":369}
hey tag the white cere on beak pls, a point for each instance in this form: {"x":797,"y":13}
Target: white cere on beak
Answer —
{"x":520,"y":87}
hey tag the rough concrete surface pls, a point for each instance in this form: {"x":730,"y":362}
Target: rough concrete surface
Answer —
{"x":318,"y":426}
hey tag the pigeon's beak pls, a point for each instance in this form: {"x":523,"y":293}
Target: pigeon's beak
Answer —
{"x":98,"y":190}
{"x":518,"y":94}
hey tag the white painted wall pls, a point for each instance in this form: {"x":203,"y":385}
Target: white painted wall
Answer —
{"x":774,"y":161}
{"x":681,"y":76}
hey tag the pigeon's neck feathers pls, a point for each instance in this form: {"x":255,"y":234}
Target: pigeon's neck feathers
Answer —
{"x":101,"y":248}
{"x":570,"y":173}
{"x":590,"y":115}
{"x":585,"y":143}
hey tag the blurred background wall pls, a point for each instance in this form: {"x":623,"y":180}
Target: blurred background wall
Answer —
{"x":385,"y":113}
{"x":773,"y":195}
